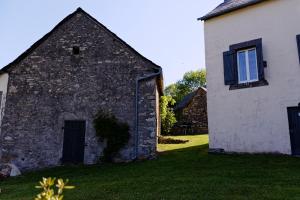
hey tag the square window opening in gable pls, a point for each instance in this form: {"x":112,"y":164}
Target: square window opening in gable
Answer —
{"x":76,"y":50}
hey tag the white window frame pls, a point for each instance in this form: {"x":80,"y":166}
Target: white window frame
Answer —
{"x":247,"y":65}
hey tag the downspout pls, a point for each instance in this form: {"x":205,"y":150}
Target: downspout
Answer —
{"x":137,"y":109}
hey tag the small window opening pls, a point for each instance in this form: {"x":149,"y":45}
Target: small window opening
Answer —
{"x":76,"y":50}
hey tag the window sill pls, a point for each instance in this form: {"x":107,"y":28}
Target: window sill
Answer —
{"x":249,"y":85}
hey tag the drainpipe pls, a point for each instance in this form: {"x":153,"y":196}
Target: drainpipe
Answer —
{"x":137,"y":108}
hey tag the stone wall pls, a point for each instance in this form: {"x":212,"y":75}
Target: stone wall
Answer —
{"x":52,"y":85}
{"x":147,"y":120}
{"x":192,"y":119}
{"x":3,"y":91}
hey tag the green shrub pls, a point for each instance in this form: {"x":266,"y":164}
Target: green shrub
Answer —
{"x":167,"y":115}
{"x":48,"y":190}
{"x":164,"y":140}
{"x":116,"y":133}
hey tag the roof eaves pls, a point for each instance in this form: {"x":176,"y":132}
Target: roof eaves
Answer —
{"x":210,"y":16}
{"x":160,"y":79}
{"x":185,"y":101}
{"x":45,"y":37}
{"x":37,"y":43}
{"x":188,"y":98}
{"x":119,"y":39}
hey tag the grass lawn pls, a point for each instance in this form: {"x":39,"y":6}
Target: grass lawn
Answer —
{"x":182,"y":171}
{"x":193,"y":141}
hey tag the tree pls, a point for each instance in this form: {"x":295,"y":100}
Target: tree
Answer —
{"x":167,"y":115}
{"x":194,"y":79}
{"x":171,"y":90}
{"x":191,"y":81}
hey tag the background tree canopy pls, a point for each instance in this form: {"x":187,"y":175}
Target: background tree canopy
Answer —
{"x":191,"y":81}
{"x":174,"y":93}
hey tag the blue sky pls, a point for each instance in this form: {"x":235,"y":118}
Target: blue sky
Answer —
{"x":165,"y":31}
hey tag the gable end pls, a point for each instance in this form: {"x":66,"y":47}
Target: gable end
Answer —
{"x":45,"y":37}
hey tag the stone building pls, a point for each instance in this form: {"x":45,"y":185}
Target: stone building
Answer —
{"x":191,"y":114}
{"x":52,"y":92}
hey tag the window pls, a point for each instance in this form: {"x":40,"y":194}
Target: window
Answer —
{"x":247,"y":65}
{"x":244,"y":65}
{"x":76,"y":50}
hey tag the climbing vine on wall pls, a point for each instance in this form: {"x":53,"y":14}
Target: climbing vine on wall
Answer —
{"x":116,"y":133}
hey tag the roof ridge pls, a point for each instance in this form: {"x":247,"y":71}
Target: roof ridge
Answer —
{"x":39,"y":41}
{"x":188,"y":98}
{"x":47,"y":35}
{"x":116,"y":36}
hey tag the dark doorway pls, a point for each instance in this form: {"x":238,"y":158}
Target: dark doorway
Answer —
{"x":73,"y":149}
{"x":294,"y":124}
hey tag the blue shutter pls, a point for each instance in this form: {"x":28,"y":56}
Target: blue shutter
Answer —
{"x":298,"y":43}
{"x":230,"y":77}
{"x":260,"y":60}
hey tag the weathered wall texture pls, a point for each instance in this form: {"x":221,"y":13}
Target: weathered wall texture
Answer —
{"x":147,"y":119}
{"x":192,"y":119}
{"x":254,"y":119}
{"x":52,"y":85}
{"x":158,"y":120}
{"x":3,"y":90}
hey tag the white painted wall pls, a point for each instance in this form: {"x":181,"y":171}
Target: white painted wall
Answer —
{"x":254,"y":119}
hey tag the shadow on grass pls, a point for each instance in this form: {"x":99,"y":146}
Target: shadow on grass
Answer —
{"x":192,"y":141}
{"x":185,"y":173}
{"x":69,"y":171}
{"x":184,"y":155}
{"x":202,"y":148}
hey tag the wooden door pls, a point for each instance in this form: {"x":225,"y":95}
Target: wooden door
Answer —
{"x":73,"y":145}
{"x":294,"y":125}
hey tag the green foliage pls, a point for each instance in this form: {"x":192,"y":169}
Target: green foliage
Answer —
{"x":169,"y":140}
{"x":194,"y":79}
{"x":191,"y":81}
{"x":48,"y":190}
{"x":171,"y":90}
{"x":167,"y":115}
{"x":116,"y":133}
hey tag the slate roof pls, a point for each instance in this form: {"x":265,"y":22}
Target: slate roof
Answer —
{"x":187,"y":99}
{"x":229,"y":6}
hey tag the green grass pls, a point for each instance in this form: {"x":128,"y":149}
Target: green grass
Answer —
{"x":192,"y":142}
{"x":187,"y":172}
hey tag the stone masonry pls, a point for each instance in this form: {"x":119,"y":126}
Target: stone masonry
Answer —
{"x":191,"y":114}
{"x":50,"y":84}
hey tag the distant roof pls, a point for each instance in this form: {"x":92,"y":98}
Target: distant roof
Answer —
{"x":187,"y":99}
{"x":229,"y":6}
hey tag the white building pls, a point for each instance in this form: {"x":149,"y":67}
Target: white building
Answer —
{"x":253,"y":76}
